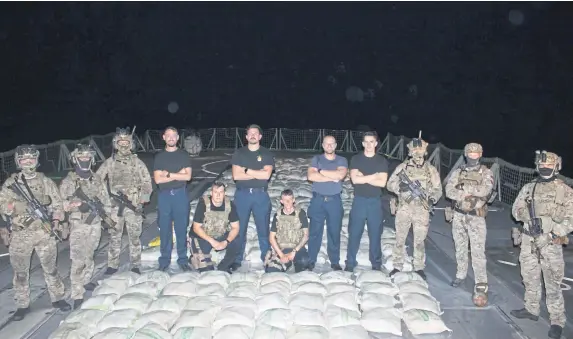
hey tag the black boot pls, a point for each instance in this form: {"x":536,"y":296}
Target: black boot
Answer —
{"x":457,"y":282}
{"x":20,"y":313}
{"x":136,"y":270}
{"x":110,"y":271}
{"x":394,"y":271}
{"x":310,"y":267}
{"x":185,"y":267}
{"x":524,"y":314}
{"x":78,"y":303}
{"x":422,"y":274}
{"x":235,"y":267}
{"x":336,"y":267}
{"x":62,"y":305}
{"x":90,"y":286}
{"x":555,"y":332}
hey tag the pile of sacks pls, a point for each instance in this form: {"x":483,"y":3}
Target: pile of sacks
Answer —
{"x":333,"y":305}
{"x":292,"y":174}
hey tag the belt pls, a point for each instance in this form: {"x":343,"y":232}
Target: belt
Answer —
{"x":172,"y":191}
{"x":325,"y":197}
{"x":252,"y":189}
{"x":472,"y":212}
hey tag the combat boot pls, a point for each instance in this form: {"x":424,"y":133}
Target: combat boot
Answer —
{"x":136,"y":270}
{"x":62,"y":305}
{"x":90,"y":286}
{"x":457,"y":282}
{"x":20,"y":313}
{"x":110,"y":271}
{"x":78,"y":303}
{"x":394,"y":271}
{"x":422,"y":274}
{"x":524,"y":314}
{"x":555,"y":332}
{"x":336,"y":267}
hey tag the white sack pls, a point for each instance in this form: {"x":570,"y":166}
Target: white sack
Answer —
{"x":279,"y":287}
{"x":382,"y":320}
{"x":152,"y":331}
{"x":135,"y":301}
{"x":184,"y":277}
{"x":278,"y":318}
{"x":269,"y":332}
{"x":184,"y":289}
{"x":251,"y":277}
{"x":71,"y":331}
{"x":424,"y":322}
{"x":240,"y":302}
{"x":164,"y":319}
{"x":243,"y":289}
{"x":108,"y":289}
{"x":235,"y":332}
{"x":415,"y":301}
{"x":371,"y":277}
{"x":381,"y":288}
{"x":115,"y":333}
{"x":346,"y":300}
{"x":369,"y":301}
{"x":171,"y":303}
{"x":195,"y":319}
{"x":234,"y":316}
{"x":121,"y":318}
{"x":274,"y":277}
{"x":271,"y":301}
{"x":339,"y":317}
{"x":307,"y":332}
{"x":336,"y":277}
{"x":307,"y":301}
{"x":203,"y":303}
{"x":102,"y":302}
{"x":192,"y":333}
{"x":339,"y":287}
{"x":349,"y":332}
{"x":160,"y":277}
{"x":151,"y":288}
{"x":402,"y":277}
{"x":215,"y":277}
{"x":304,"y":276}
{"x":85,"y":317}
{"x":414,"y":287}
{"x":306,"y":317}
{"x":309,"y":287}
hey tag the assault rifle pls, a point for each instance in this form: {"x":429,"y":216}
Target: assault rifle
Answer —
{"x":36,"y":210}
{"x":416,"y":191}
{"x":96,"y":208}
{"x":535,"y":228}
{"x":123,"y":201}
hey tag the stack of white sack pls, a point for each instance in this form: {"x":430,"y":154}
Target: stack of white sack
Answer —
{"x":421,"y":311}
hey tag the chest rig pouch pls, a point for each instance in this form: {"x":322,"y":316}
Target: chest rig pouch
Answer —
{"x":472,"y":205}
{"x":289,"y":229}
{"x":123,"y":177}
{"x":35,"y":189}
{"x":422,"y":175}
{"x":91,"y":190}
{"x":216,"y":223}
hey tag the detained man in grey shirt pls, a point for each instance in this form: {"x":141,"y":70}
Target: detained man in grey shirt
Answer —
{"x":326,"y":172}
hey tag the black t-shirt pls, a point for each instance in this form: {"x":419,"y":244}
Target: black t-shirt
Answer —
{"x":200,"y":210}
{"x":255,"y":160}
{"x":172,"y":162}
{"x":301,"y":216}
{"x":368,"y":166}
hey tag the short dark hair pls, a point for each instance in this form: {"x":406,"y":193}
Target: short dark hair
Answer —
{"x":287,"y":193}
{"x":170,"y":128}
{"x":370,"y":134}
{"x":254,"y":126}
{"x":217,"y":184}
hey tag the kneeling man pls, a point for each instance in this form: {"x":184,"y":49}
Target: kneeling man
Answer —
{"x":289,"y":235}
{"x":215,"y":226}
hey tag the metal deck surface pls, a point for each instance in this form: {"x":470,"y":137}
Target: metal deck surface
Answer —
{"x":466,"y":320}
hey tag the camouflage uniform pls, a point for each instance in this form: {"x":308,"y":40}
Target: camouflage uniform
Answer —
{"x":470,"y":188}
{"x":126,"y":174}
{"x":84,"y":236}
{"x":289,"y":234}
{"x":414,"y":212}
{"x":216,"y":225}
{"x":545,"y":229}
{"x":29,"y":233}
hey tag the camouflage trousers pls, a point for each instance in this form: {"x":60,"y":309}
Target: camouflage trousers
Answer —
{"x":133,"y":223}
{"x":417,"y":217}
{"x":274,"y":264}
{"x":23,"y":244}
{"x":548,"y":261}
{"x":470,"y":230}
{"x":84,"y":240}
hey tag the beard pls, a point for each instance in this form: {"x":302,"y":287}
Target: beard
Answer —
{"x":253,"y":141}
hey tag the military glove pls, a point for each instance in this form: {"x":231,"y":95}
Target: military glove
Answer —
{"x":5,"y":236}
{"x":84,"y":208}
{"x":563,"y":240}
{"x":558,"y":214}
{"x":516,"y":236}
{"x":543,"y":240}
{"x":560,"y":230}
{"x":404,"y":187}
{"x":18,"y":207}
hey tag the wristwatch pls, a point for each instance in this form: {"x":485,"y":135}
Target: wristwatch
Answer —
{"x":246,"y":169}
{"x":227,"y":241}
{"x":168,"y":175}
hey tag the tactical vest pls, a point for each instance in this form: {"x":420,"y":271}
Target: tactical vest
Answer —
{"x":123,"y":176}
{"x":91,"y":189}
{"x":216,"y":223}
{"x":473,"y":205}
{"x":421,"y":174}
{"x":546,"y":197}
{"x":39,"y":191}
{"x":289,"y":229}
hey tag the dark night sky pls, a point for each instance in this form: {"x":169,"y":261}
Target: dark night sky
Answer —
{"x":74,"y":69}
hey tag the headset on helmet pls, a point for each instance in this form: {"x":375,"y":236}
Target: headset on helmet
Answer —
{"x":27,"y":152}
{"x":83,"y":150}
{"x":550,"y":158}
{"x":417,"y":146}
{"x":124,"y":134}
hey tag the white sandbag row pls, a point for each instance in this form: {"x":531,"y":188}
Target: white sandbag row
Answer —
{"x":420,"y":310}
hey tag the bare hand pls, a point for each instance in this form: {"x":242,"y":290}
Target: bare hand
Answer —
{"x":219,"y":245}
{"x":291,"y":256}
{"x":284,"y":259}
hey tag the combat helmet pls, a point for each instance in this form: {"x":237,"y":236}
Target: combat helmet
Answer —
{"x":26,"y":158}
{"x":550,"y":161}
{"x":83,"y":157}
{"x":417,"y":146}
{"x":123,"y":140}
{"x":473,"y":147}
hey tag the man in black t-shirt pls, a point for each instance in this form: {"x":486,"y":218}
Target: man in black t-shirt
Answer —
{"x":252,"y":168}
{"x":171,"y":172}
{"x":369,"y":173}
{"x":215,"y":226}
{"x":289,"y":235}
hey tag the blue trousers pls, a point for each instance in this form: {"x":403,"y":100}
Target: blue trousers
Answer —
{"x":325,"y":208}
{"x":256,"y":201}
{"x":173,"y":206}
{"x":365,"y":211}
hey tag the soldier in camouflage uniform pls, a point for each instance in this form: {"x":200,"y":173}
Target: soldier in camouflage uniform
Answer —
{"x":414,"y":211}
{"x":215,"y":226}
{"x":29,"y":233}
{"x":289,"y":235}
{"x":125,"y":173}
{"x":84,"y":234}
{"x":544,"y":206}
{"x":470,"y":188}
